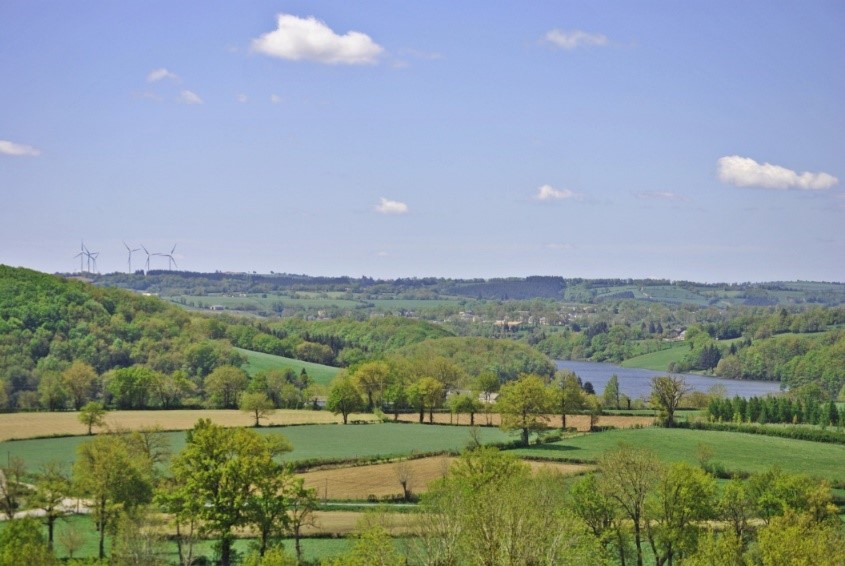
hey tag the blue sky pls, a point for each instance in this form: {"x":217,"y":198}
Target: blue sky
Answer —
{"x":687,"y":140}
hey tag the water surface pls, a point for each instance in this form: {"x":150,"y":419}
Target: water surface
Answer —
{"x":636,"y":382}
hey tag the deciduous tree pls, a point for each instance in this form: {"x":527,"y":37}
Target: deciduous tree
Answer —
{"x":666,"y":394}
{"x":523,"y":405}
{"x":344,"y":397}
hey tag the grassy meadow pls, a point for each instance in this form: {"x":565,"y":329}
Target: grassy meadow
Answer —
{"x":734,"y":451}
{"x":660,"y":360}
{"x":258,"y":361}
{"x":310,"y":442}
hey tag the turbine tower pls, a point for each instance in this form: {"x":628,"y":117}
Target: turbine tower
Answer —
{"x":80,"y":255}
{"x":147,"y":268}
{"x":170,"y":261}
{"x":130,"y":250}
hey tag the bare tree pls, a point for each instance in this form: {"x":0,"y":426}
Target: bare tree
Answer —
{"x":405,"y":474}
{"x":666,"y":393}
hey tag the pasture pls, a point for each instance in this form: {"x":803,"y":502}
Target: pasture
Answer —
{"x":310,"y":442}
{"x":660,"y":360}
{"x":579,"y":422}
{"x":258,"y":361}
{"x":733,"y":451}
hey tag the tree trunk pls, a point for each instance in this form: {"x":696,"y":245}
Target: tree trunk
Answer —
{"x":422,"y":414}
{"x":226,"y":550}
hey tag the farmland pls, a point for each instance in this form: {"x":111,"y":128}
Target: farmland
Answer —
{"x":310,"y":442}
{"x":259,"y":361}
{"x":734,"y":451}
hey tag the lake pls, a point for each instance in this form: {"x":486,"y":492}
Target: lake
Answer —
{"x":636,"y":383}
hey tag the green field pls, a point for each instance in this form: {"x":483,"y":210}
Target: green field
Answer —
{"x":258,"y":361}
{"x":658,"y":361}
{"x":734,"y":451}
{"x":309,"y":442}
{"x":313,"y":549}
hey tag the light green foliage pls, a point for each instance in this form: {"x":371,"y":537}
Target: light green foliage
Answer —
{"x":224,"y":386}
{"x":138,"y":541}
{"x":666,"y":394}
{"x":115,"y":476}
{"x":567,"y":395}
{"x":92,"y":414}
{"x":610,"y":395}
{"x":682,"y":500}
{"x":80,"y":382}
{"x":464,"y":403}
{"x":344,"y":398}
{"x":426,"y":393}
{"x":226,"y":479}
{"x":627,"y":477}
{"x":373,"y":546}
{"x":256,"y":404}
{"x":21,"y":541}
{"x":798,"y":539}
{"x":523,"y":405}
{"x":371,"y":378}
{"x":489,"y":510}
{"x":52,"y":485}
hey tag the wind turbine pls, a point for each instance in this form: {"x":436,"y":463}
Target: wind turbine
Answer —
{"x":130,"y":250}
{"x":80,"y":255}
{"x":170,"y":261}
{"x":147,"y":269}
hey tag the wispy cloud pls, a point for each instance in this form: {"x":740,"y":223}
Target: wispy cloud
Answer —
{"x":242,"y":98}
{"x":549,"y":193}
{"x":160,"y":74}
{"x":661,"y":195}
{"x":745,"y":172}
{"x":189,"y":97}
{"x":574,"y":39}
{"x":310,"y":39}
{"x":275,"y":99}
{"x":17,"y":149}
{"x":387,"y":206}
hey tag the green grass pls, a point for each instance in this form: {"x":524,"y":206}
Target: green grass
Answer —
{"x":313,"y":549}
{"x":309,"y":442}
{"x":734,"y":451}
{"x":658,"y":361}
{"x":258,"y":361}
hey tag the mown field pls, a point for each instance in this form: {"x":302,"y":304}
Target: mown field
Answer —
{"x":310,"y":442}
{"x":382,"y":480}
{"x":34,"y":425}
{"x":258,"y":361}
{"x":734,"y":451}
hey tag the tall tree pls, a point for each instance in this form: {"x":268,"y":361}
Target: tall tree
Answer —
{"x":567,"y":395}
{"x":258,"y":405}
{"x":666,"y":394}
{"x":91,"y":415}
{"x":80,"y":381}
{"x":371,"y":378}
{"x":216,"y":477}
{"x":610,"y":395}
{"x":426,"y":393}
{"x":224,"y":385}
{"x":627,"y":477}
{"x":523,"y":405}
{"x":344,"y":398}
{"x":52,"y":485}
{"x":114,"y":476}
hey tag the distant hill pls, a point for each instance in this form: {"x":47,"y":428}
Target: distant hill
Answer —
{"x":575,"y":290}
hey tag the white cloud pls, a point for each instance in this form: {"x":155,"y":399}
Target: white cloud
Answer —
{"x":387,"y":206}
{"x":547,"y":192}
{"x":312,"y":40}
{"x":161,"y":74}
{"x":17,"y":149}
{"x":275,"y":99}
{"x":189,"y":97}
{"x":745,"y":172}
{"x":570,"y":40}
{"x":242,"y":98}
{"x":660,"y":195}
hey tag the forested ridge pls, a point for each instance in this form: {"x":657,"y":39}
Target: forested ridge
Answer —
{"x":65,"y":342}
